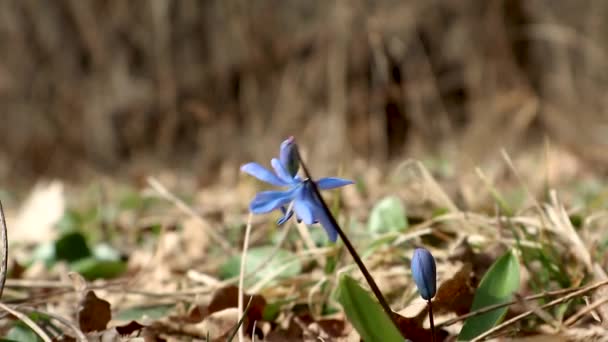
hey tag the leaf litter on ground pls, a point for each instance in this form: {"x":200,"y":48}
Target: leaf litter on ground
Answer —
{"x":157,"y":288}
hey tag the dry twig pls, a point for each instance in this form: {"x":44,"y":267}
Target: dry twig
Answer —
{"x":28,"y":321}
{"x":4,"y":241}
{"x":548,"y":305}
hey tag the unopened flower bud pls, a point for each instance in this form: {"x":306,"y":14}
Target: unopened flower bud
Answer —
{"x":424,"y":273}
{"x":288,"y":156}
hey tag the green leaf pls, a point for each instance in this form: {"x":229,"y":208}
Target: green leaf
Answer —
{"x":104,"y":251}
{"x":285,"y":262}
{"x":71,"y":246}
{"x":496,"y":287}
{"x":70,"y":221}
{"x":365,"y":314}
{"x":139,"y":313}
{"x":44,"y":252}
{"x":92,"y":268}
{"x":388,"y":215}
{"x":21,"y":332}
{"x":272,"y":310}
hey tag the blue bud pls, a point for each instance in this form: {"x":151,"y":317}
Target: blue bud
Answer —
{"x":424,"y":273}
{"x":288,"y":156}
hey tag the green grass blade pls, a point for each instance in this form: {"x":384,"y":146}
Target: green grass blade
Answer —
{"x":365,"y":314}
{"x":497,"y":286}
{"x":240,"y":322}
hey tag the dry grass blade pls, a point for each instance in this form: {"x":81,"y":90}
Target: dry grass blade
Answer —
{"x":542,"y":314}
{"x":23,"y":318}
{"x":240,"y":323}
{"x":527,"y":298}
{"x":587,"y":309}
{"x":4,"y":241}
{"x":242,"y":275}
{"x":548,"y":305}
{"x":156,"y":185}
{"x":562,"y":226}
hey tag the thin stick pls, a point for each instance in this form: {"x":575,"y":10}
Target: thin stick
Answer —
{"x":548,"y":305}
{"x":241,"y":334}
{"x":531,"y":297}
{"x":80,"y":336}
{"x":28,"y":321}
{"x":368,"y":277}
{"x":4,"y":242}
{"x":431,"y":319}
{"x":181,"y":205}
{"x":572,"y":319}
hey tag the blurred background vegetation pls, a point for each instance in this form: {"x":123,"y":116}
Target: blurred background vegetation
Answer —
{"x":121,"y":87}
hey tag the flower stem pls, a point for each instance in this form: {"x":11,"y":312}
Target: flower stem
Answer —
{"x":368,"y":277}
{"x":431,"y":319}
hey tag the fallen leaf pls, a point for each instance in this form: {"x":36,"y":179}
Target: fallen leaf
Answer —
{"x":412,"y":329}
{"x":456,"y":293}
{"x":129,"y":328}
{"x":293,"y":333}
{"x":220,"y":323}
{"x":227,"y":298}
{"x":333,"y":328}
{"x":94,"y":313}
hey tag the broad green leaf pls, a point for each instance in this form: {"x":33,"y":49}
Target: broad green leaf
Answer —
{"x":283,"y":264}
{"x":104,"y":251}
{"x":71,"y":246}
{"x":497,"y":286}
{"x":44,"y":252}
{"x":92,"y":268}
{"x":365,"y":314}
{"x":139,"y":313}
{"x":388,"y":215}
{"x":69,"y":222}
{"x":21,"y":332}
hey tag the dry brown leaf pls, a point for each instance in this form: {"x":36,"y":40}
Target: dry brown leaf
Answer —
{"x":129,"y":328}
{"x":413,"y":330}
{"x":456,"y":294}
{"x":219,"y":323}
{"x":293,"y":332}
{"x":94,"y":313}
{"x":224,"y":299}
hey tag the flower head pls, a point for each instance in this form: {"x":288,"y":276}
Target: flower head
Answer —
{"x":306,"y":205}
{"x":424,"y":273}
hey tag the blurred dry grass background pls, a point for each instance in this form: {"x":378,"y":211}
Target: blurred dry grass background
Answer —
{"x":203,"y":84}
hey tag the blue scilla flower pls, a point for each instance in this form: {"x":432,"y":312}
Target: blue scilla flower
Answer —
{"x":307,"y":206}
{"x":424,"y":273}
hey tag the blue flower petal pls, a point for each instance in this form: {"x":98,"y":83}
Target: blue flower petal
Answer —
{"x":324,"y":220}
{"x":280,"y":171}
{"x":424,"y":273}
{"x":332,"y":183}
{"x":267,"y":201}
{"x":263,"y":174}
{"x":286,"y":216}
{"x":304,"y":211}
